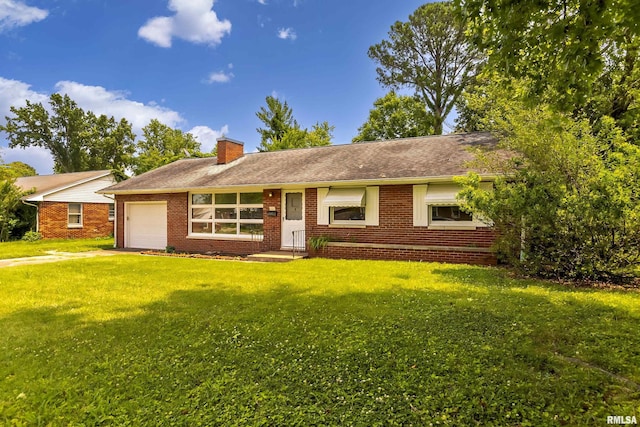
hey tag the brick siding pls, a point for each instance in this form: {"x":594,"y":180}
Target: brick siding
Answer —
{"x":395,"y":227}
{"x":53,"y":221}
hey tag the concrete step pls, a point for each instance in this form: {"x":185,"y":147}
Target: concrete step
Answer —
{"x":277,"y":256}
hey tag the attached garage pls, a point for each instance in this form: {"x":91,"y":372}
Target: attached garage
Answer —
{"x":146,"y":225}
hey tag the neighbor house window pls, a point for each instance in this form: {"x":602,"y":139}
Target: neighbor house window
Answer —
{"x":112,"y":211}
{"x":74,"y":215}
{"x":227,"y":214}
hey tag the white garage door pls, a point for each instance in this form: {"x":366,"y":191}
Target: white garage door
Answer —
{"x":146,"y":225}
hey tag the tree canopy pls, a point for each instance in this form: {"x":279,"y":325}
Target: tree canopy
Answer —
{"x":282,"y":131}
{"x":431,"y":55}
{"x":162,"y":145}
{"x":396,"y":116}
{"x":77,"y":140}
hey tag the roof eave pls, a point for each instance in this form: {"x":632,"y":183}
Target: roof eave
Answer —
{"x":275,"y":185}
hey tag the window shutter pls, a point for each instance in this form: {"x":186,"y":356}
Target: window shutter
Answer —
{"x":372,"y":209}
{"x":420,"y":208}
{"x":323,"y":212}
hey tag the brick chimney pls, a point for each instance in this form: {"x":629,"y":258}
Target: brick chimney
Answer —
{"x":229,"y":150}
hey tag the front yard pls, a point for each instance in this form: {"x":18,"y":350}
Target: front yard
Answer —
{"x":132,"y":340}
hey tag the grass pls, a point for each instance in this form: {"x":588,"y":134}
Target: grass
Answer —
{"x":131,"y":340}
{"x":22,"y":249}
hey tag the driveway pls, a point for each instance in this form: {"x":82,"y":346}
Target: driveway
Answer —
{"x":55,"y":256}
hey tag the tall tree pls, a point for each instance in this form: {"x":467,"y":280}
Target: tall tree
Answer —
{"x":77,"y":140}
{"x":112,"y":145}
{"x":9,"y":202}
{"x":18,"y":169}
{"x":565,"y":49}
{"x":395,"y":116}
{"x":162,"y":145}
{"x":431,"y":55}
{"x":282,"y":131}
{"x":278,"y":119}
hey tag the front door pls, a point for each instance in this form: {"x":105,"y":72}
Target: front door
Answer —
{"x":293,"y":219}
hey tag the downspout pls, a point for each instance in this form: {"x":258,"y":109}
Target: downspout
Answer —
{"x":37,"y":213}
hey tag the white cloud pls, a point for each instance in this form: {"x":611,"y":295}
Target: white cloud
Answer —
{"x":37,"y":157}
{"x":194,"y":21}
{"x":207,"y":137}
{"x":287,"y":33}
{"x":262,"y":2}
{"x":15,"y":13}
{"x":115,"y":103}
{"x":219,"y":77}
{"x":14,"y":93}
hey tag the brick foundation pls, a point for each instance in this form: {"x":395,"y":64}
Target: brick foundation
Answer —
{"x":53,"y":221}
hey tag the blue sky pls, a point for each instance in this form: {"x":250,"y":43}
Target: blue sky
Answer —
{"x":197,"y":65}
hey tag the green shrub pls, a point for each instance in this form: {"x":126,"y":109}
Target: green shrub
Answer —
{"x":32,"y":236}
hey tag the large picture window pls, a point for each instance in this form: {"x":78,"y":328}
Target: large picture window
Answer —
{"x":227,"y":214}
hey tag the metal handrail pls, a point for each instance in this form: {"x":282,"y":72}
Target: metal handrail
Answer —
{"x":298,"y":241}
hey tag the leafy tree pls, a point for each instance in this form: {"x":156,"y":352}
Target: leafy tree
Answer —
{"x":563,"y":47}
{"x":431,"y":55}
{"x":396,"y":116}
{"x":18,"y":169}
{"x":113,"y":145}
{"x":567,"y":202}
{"x":77,"y":140}
{"x":283,"y":132}
{"x":278,"y":119}
{"x":162,"y":145}
{"x":10,"y":203}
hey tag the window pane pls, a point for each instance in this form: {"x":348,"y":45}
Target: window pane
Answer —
{"x":354,"y":213}
{"x":201,"y":199}
{"x":226,"y":228}
{"x":112,"y":210}
{"x":226,"y":199}
{"x":201,"y":227}
{"x":250,"y":228}
{"x":226,"y":213}
{"x":250,"y":198}
{"x":293,"y":206}
{"x":250,"y":213}
{"x":201,"y":213}
{"x":75,"y":208}
{"x":449,"y":213}
{"x":74,"y":219}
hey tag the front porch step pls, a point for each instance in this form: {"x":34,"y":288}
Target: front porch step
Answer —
{"x":277,"y":256}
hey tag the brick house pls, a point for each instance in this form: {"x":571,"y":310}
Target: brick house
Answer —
{"x":377,"y":200}
{"x":68,"y":206}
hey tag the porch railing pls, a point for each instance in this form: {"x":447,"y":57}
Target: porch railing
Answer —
{"x":299,"y":243}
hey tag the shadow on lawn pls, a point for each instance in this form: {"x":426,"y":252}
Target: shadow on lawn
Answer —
{"x":284,"y":356}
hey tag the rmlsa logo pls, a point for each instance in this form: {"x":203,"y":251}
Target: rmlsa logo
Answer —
{"x":619,"y":419}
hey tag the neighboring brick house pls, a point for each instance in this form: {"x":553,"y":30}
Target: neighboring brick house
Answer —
{"x":68,"y":205}
{"x":377,"y":200}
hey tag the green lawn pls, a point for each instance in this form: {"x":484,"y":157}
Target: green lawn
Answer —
{"x":133,"y":340}
{"x":28,"y":249}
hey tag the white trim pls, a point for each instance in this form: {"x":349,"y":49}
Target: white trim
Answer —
{"x":322,"y":212}
{"x":310,"y":184}
{"x":372,"y":208}
{"x":420,"y":209}
{"x":80,"y":214}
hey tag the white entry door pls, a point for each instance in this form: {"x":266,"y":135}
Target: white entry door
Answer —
{"x":146,"y":225}
{"x":293,"y":219}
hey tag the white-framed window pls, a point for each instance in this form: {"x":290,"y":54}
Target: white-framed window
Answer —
{"x":344,"y":207}
{"x":233,"y":215}
{"x":437,"y":206}
{"x":112,"y":211}
{"x":74,"y":215}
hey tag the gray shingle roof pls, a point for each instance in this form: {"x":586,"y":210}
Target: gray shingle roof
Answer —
{"x":409,"y":158}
